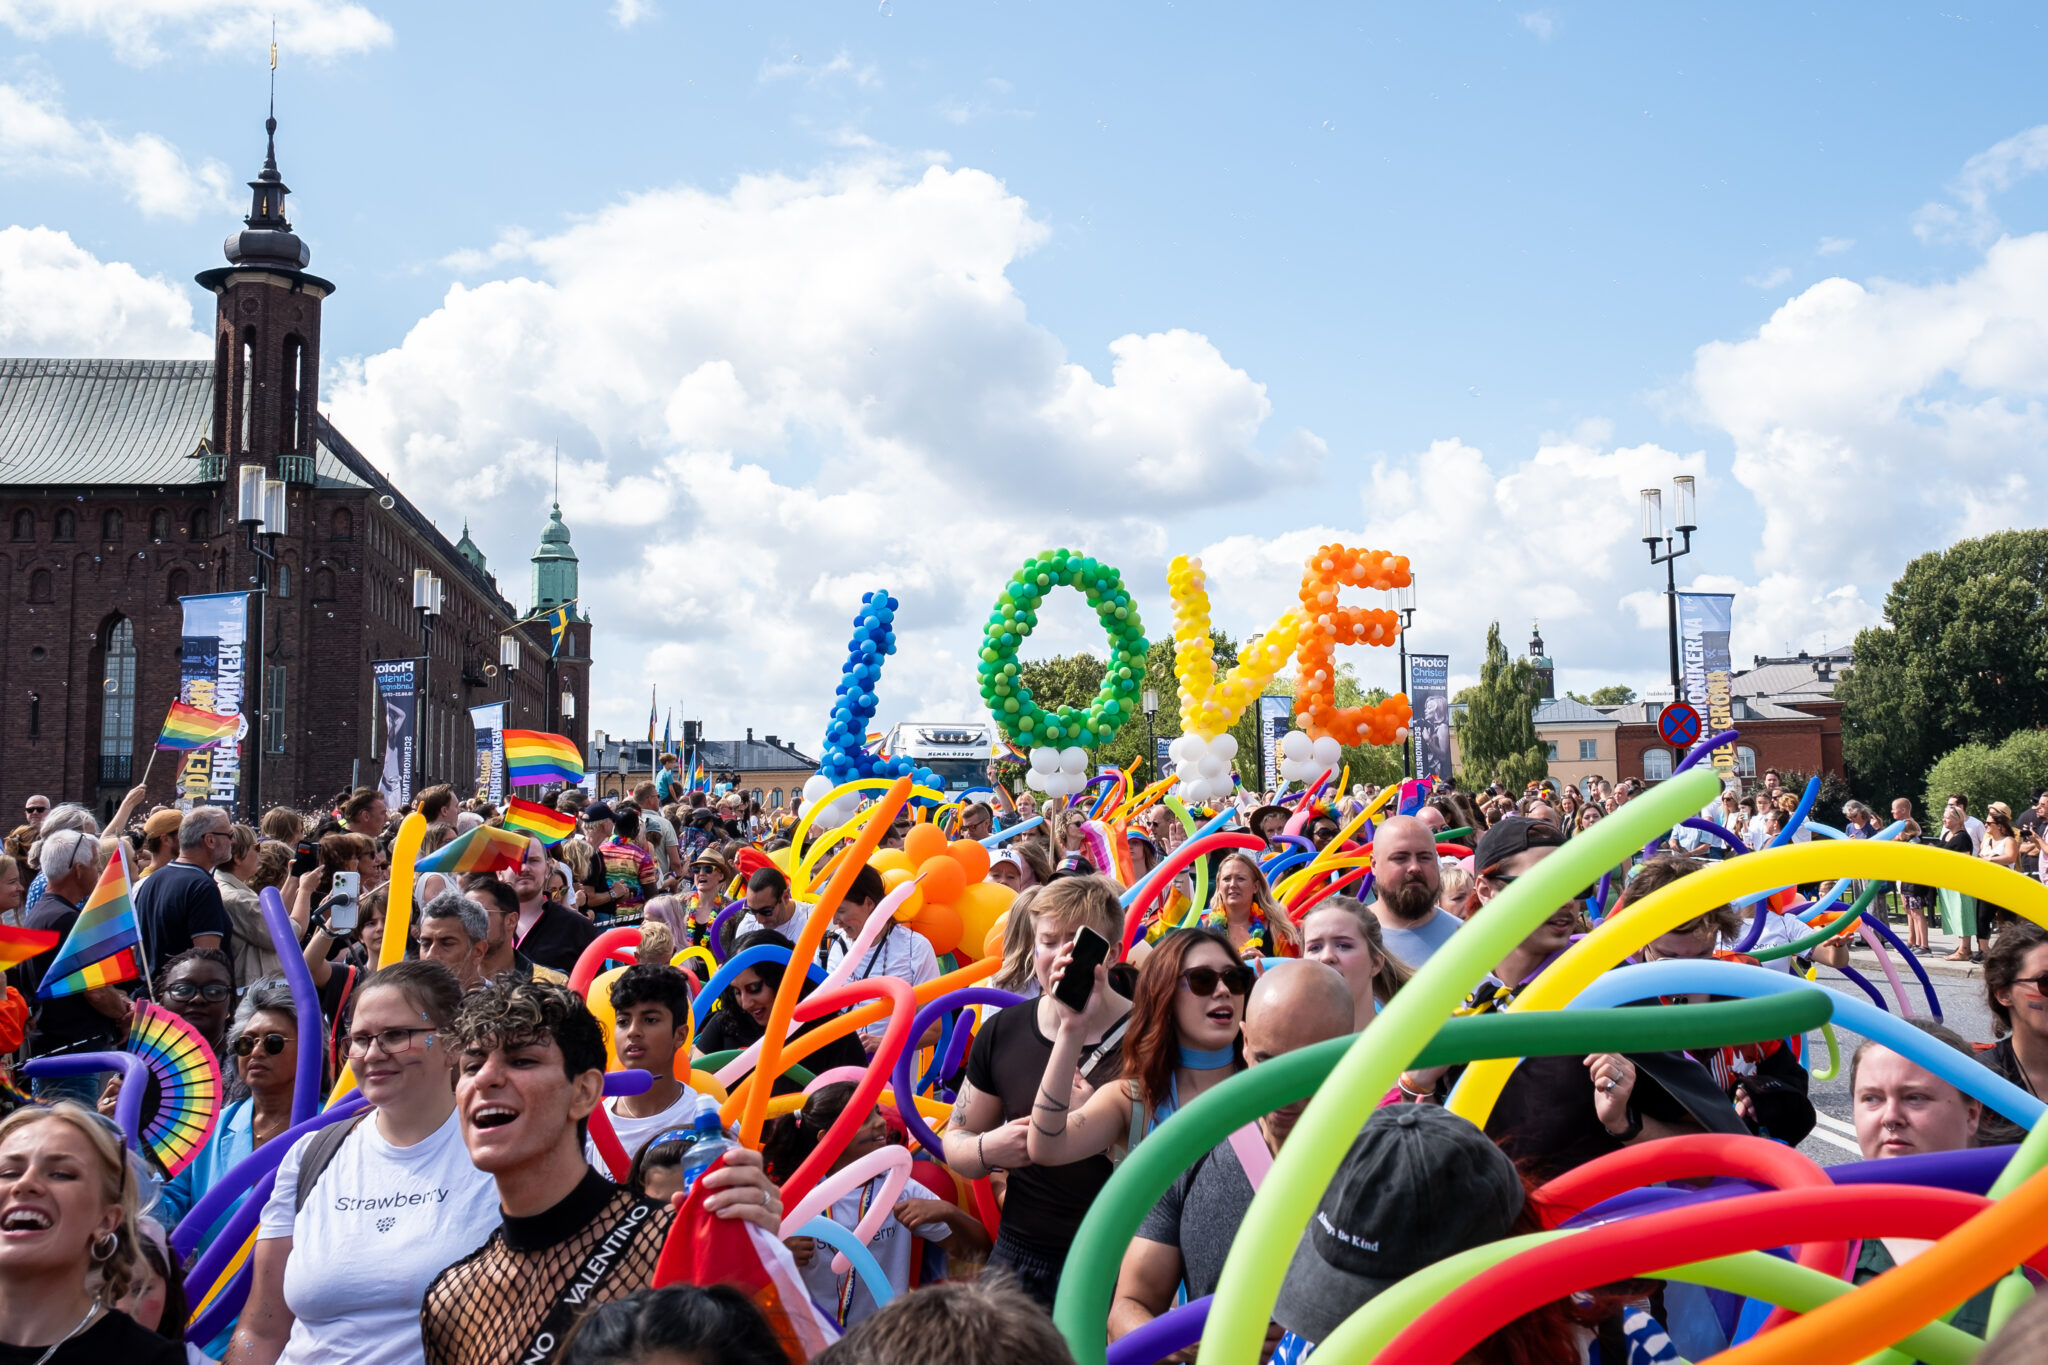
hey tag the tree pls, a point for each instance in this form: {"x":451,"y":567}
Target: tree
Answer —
{"x":1497,"y":729}
{"x":1614,"y":694}
{"x":2010,"y":772}
{"x":1963,"y":659}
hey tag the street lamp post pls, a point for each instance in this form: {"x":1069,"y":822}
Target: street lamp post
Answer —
{"x":1684,"y":519}
{"x":426,"y":600}
{"x":1150,"y":698}
{"x":263,"y":512}
{"x":509,"y":659}
{"x":1404,"y":605}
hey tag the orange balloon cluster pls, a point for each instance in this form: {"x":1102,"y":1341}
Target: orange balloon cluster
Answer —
{"x":954,"y":905}
{"x":1330,"y":624}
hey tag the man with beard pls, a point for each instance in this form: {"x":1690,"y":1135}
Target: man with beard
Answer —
{"x":531,"y":1070}
{"x":1408,"y":882}
{"x":1185,"y":1238}
{"x":550,"y":934}
{"x":501,"y":910}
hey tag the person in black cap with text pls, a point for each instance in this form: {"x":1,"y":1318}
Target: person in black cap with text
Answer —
{"x":1418,"y":1185}
{"x":1560,"y":1112}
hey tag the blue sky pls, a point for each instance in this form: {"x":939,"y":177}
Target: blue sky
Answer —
{"x":1440,"y":276}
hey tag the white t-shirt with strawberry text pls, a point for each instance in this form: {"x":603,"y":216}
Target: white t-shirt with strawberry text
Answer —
{"x":382,"y":1222}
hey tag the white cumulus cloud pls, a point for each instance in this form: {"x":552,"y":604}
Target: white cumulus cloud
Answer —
{"x":57,"y":299}
{"x":140,"y":31}
{"x":773,"y":399}
{"x":38,"y":139}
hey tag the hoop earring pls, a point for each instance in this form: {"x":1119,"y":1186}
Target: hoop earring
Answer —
{"x":112,"y":1244}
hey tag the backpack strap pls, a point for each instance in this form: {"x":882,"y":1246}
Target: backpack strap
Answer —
{"x":319,"y":1155}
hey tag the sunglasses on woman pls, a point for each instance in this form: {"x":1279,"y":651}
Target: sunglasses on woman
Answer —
{"x":1202,"y":981}
{"x":272,"y":1044}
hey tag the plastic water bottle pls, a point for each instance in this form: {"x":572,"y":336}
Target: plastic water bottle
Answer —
{"x":709,"y":1144}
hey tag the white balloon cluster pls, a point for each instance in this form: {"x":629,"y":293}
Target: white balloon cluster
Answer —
{"x":816,"y":787}
{"x":1304,"y":760}
{"x":1058,"y":772}
{"x":1203,"y":766}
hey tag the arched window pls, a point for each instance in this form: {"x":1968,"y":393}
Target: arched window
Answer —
{"x":1745,"y":761}
{"x":117,"y":706}
{"x":248,"y":385}
{"x":176,"y":585}
{"x":294,"y":387}
{"x":159,"y":525}
{"x":111,"y":524}
{"x":39,"y":586}
{"x":282,"y":585}
{"x":343,"y":526}
{"x":775,"y":799}
{"x":323,"y":584}
{"x":24,"y":525}
{"x":197,"y":525}
{"x":64,"y":526}
{"x":1656,"y":764}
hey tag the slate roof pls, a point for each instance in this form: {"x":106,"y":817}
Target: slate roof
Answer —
{"x":1566,"y":711}
{"x":125,"y":422}
{"x":118,"y":423}
{"x":753,"y":756}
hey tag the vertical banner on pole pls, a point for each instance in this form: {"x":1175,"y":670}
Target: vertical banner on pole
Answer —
{"x":1429,"y":690}
{"x":210,"y":658}
{"x":489,"y":724}
{"x":1162,"y":759}
{"x":398,"y":700}
{"x":1704,"y":622}
{"x":1276,"y":717}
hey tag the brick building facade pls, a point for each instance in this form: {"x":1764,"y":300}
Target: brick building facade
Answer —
{"x":118,"y":496}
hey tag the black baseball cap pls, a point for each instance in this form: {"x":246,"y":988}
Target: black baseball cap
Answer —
{"x":1419,"y":1184}
{"x":1516,"y":834}
{"x":597,"y":810}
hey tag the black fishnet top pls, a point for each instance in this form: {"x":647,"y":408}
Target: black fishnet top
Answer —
{"x":499,"y":1305}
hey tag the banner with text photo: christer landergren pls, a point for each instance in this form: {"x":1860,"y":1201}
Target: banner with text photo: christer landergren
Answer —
{"x":1276,"y":718}
{"x":1429,"y":692}
{"x":398,"y":699}
{"x":211,"y":645}
{"x":1704,"y":622}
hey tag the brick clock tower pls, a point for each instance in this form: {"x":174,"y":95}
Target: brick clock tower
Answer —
{"x":555,"y":573}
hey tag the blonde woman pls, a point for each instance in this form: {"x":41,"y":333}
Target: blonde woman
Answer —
{"x":1244,"y":911}
{"x":67,"y":1197}
{"x":1019,"y":973}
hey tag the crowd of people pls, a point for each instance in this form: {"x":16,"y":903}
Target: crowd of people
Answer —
{"x":468,"y":1213}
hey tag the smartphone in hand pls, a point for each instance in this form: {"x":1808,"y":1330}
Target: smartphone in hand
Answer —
{"x":1078,"y":982}
{"x":344,"y":908}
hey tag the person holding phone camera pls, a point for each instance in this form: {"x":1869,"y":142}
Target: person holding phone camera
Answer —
{"x":991,"y":1123}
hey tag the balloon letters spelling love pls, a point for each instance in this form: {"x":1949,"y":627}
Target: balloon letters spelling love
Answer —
{"x":847,"y":756}
{"x":1059,"y":742}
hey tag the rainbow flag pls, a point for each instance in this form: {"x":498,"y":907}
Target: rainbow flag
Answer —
{"x":100,"y":949}
{"x":535,"y":757}
{"x":484,"y":849}
{"x":651,"y":715}
{"x":700,"y":779}
{"x":542,"y":822}
{"x":187,"y":728}
{"x":18,"y":945}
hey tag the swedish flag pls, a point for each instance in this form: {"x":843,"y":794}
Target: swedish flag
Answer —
{"x":558,"y":627}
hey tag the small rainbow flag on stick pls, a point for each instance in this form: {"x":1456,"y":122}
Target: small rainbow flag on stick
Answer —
{"x":187,"y":728}
{"x":100,"y":949}
{"x":483,"y":849}
{"x":18,"y":945}
{"x":535,"y":757}
{"x":543,"y":823}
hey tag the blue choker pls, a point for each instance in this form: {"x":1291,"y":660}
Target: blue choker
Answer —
{"x":1195,"y":1059}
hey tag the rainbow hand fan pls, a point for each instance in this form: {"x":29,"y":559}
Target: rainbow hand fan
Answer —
{"x":188,"y":1075}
